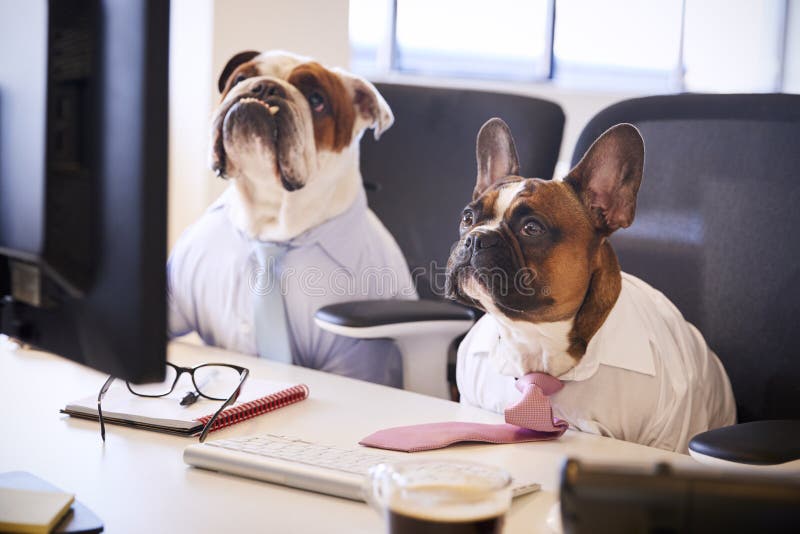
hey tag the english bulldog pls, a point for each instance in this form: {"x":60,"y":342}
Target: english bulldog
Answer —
{"x":286,"y":135}
{"x":535,"y":255}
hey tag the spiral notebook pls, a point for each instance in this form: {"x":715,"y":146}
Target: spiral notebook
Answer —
{"x":165,"y":414}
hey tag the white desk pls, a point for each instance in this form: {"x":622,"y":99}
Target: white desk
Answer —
{"x":138,"y":482}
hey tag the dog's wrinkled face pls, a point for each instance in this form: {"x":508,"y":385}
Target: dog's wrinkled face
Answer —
{"x":528,"y":247}
{"x":282,"y":116}
{"x":524,"y":250}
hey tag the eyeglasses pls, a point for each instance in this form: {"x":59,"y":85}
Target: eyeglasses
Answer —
{"x":214,"y":381}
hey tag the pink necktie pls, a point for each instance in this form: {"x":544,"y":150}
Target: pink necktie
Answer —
{"x":531,"y":419}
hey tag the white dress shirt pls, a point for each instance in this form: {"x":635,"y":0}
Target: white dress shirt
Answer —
{"x":212,"y":271}
{"x":648,"y":376}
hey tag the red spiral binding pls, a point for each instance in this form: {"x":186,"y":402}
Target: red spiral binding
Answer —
{"x":245,"y":411}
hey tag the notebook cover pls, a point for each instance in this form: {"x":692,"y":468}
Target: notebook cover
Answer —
{"x":231,"y":415}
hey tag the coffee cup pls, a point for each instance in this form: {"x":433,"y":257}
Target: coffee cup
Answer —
{"x":432,"y":496}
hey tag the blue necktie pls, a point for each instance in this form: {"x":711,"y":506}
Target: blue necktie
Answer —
{"x":271,"y":326}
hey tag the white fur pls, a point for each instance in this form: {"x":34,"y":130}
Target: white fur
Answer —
{"x":526,"y":347}
{"x":262,"y":208}
{"x":505,"y":197}
{"x":266,"y":211}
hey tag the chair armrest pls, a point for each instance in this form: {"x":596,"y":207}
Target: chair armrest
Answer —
{"x":392,"y":318}
{"x":365,"y":313}
{"x":422,"y":329}
{"x":758,"y":443}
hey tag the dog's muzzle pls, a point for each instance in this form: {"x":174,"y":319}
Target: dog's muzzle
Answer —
{"x":263,"y":111}
{"x":480,"y":249}
{"x":480,"y":241}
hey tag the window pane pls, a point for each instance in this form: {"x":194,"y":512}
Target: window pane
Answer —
{"x":733,"y":45}
{"x":369,"y":24}
{"x":622,"y":38}
{"x":502,"y":38}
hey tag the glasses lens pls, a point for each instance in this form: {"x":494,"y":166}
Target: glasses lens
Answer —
{"x":216,"y":381}
{"x":156,"y":389}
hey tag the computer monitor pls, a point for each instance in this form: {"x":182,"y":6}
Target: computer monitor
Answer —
{"x":83,"y":181}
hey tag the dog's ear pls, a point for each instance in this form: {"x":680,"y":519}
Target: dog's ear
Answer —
{"x":235,"y":61}
{"x":372,"y":111}
{"x":608,"y":176}
{"x":496,"y":154}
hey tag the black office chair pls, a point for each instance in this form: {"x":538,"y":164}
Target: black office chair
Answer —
{"x":420,"y":175}
{"x":715,"y":231}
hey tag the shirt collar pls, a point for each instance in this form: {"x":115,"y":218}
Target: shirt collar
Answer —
{"x":627,"y":341}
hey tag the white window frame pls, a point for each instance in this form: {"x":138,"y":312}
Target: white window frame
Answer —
{"x":546,"y":72}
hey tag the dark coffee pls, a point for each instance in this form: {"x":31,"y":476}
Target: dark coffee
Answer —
{"x":405,"y":524}
{"x":445,"y":509}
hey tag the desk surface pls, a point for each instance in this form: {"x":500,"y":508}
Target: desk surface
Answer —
{"x":137,"y":481}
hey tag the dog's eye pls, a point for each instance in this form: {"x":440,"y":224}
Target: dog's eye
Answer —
{"x":467,"y":218}
{"x":533,"y":229}
{"x":317,"y":102}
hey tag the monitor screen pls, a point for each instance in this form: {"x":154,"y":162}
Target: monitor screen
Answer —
{"x":83,"y":181}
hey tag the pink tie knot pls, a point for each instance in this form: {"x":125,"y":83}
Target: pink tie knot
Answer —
{"x":547,"y":383}
{"x":534,"y":411}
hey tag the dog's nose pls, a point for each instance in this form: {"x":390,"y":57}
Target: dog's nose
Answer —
{"x":265,"y":88}
{"x":480,"y":240}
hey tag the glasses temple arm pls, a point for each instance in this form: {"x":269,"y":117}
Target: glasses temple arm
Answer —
{"x":231,"y":400}
{"x":100,"y":396}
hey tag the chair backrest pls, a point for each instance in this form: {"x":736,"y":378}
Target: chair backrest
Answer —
{"x":714,"y":230}
{"x":425,"y":168}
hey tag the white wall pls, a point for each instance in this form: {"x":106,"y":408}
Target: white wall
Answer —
{"x":316,"y":28}
{"x":190,"y":97}
{"x":204,"y":35}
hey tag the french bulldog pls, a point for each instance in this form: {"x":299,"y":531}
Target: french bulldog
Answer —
{"x":286,"y":136}
{"x":535,"y":256}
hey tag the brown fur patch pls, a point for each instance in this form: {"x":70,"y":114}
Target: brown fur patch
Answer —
{"x":604,"y":289}
{"x":562,"y":259}
{"x":333,"y":126}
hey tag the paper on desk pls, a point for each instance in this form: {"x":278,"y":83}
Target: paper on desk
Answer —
{"x":119,"y":403}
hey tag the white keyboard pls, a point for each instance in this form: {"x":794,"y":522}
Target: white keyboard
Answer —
{"x":297,"y":463}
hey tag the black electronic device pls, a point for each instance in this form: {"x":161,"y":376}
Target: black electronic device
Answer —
{"x":614,"y":499}
{"x":83,"y":181}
